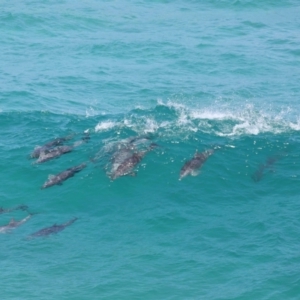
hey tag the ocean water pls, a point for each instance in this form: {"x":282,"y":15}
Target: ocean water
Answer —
{"x":189,"y":76}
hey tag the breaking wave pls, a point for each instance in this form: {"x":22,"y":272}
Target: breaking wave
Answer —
{"x":169,"y":118}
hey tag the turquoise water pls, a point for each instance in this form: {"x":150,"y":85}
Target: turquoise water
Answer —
{"x":188,"y":76}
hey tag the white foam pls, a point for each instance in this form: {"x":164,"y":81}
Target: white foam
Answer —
{"x":226,"y":120}
{"x":151,"y":126}
{"x":128,"y":123}
{"x":212,"y":115}
{"x":295,"y":126}
{"x":221,"y":119}
{"x":105,"y":125}
{"x":171,"y":104}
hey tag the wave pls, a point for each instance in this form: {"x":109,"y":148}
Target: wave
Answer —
{"x":169,"y":118}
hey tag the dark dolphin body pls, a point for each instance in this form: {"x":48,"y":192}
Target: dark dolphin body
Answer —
{"x":126,"y":148}
{"x":55,"y":149}
{"x":59,"y":178}
{"x":53,"y":229}
{"x":119,"y":157}
{"x":48,"y":146}
{"x":7,"y":210}
{"x":125,"y":167}
{"x":130,"y":145}
{"x":191,"y":167}
{"x":118,"y":151}
{"x":54,"y":153}
{"x":259,"y":173}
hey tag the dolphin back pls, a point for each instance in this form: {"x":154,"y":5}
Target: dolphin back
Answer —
{"x":52,"y":229}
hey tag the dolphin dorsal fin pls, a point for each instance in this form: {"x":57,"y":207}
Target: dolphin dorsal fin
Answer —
{"x":12,"y":221}
{"x":51,"y":176}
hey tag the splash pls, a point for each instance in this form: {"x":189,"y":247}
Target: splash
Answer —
{"x":105,"y":125}
{"x":223,"y":120}
{"x":295,"y":126}
{"x":218,"y":119}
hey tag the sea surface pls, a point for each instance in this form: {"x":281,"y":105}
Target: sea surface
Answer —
{"x":167,"y":79}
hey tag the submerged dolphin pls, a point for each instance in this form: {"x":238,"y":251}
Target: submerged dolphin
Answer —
{"x":50,"y":145}
{"x":126,"y":166}
{"x":59,"y":178}
{"x":191,"y":167}
{"x":52,"y":229}
{"x":259,"y":173}
{"x":13,"y":224}
{"x":6,"y":210}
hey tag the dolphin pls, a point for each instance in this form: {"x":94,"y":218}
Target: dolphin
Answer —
{"x":13,"y":224}
{"x":56,"y":152}
{"x":191,"y":166}
{"x":59,"y":178}
{"x":48,"y":146}
{"x":120,"y":156}
{"x":129,"y":145}
{"x":52,"y":229}
{"x":259,"y":173}
{"x":116,"y":151}
{"x":126,"y":166}
{"x":53,"y":153}
{"x":6,"y":210}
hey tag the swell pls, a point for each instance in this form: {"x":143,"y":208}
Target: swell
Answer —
{"x":216,"y":227}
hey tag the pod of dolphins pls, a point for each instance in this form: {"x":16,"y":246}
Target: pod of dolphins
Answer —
{"x":124,"y":157}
